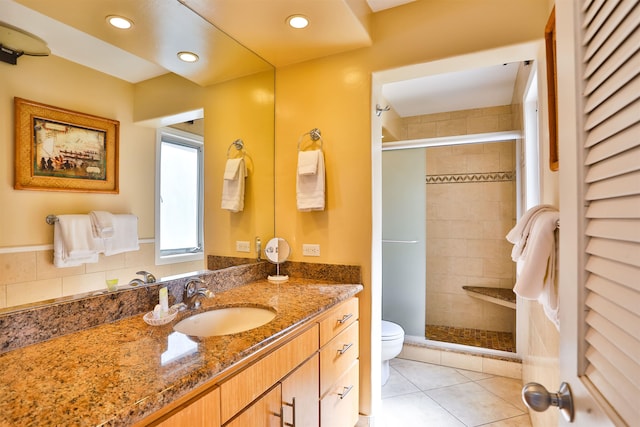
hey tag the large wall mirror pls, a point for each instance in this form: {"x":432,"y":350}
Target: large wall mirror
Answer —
{"x":229,"y":92}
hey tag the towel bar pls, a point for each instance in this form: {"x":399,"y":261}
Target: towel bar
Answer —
{"x":51,"y":219}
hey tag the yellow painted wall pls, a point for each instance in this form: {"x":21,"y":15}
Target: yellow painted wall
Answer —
{"x":239,"y":109}
{"x":334,"y":95}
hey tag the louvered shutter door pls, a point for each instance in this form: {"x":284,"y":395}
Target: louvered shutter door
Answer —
{"x":611,"y":39}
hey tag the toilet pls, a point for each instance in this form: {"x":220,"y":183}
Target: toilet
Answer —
{"x":392,"y":340}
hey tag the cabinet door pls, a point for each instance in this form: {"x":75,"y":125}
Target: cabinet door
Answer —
{"x":264,"y":412}
{"x":300,"y":395}
{"x":205,"y":412}
{"x":244,"y":387}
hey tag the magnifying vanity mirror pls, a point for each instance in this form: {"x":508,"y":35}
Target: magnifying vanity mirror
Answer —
{"x":277,"y":251}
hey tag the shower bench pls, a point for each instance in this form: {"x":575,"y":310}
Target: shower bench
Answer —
{"x":500,"y":296}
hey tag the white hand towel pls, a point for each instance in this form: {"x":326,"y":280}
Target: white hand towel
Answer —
{"x":308,"y":162}
{"x":102,"y":223}
{"x":520,"y":233}
{"x":233,"y":185}
{"x":125,"y":235}
{"x":537,"y":258}
{"x":231,"y":168}
{"x":73,"y":241}
{"x":310,"y":188}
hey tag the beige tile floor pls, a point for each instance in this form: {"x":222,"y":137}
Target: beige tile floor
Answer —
{"x":422,"y":394}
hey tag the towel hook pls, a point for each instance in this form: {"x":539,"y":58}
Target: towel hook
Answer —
{"x":238,"y":144}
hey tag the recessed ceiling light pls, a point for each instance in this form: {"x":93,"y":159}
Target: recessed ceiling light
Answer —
{"x":188,"y":56}
{"x":298,"y":21}
{"x":119,"y":22}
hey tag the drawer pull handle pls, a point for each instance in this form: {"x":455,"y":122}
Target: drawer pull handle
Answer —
{"x":344,"y":348}
{"x":345,"y":392}
{"x":345,"y":318}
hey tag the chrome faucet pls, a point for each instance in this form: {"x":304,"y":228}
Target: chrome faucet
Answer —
{"x":194,"y":289}
{"x":146,"y":279}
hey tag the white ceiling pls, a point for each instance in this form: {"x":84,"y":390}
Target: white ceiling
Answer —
{"x":462,"y":90}
{"x":77,"y":31}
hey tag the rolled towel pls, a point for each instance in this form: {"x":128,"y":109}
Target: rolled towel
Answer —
{"x":101,"y":223}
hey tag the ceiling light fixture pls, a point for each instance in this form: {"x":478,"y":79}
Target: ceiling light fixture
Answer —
{"x":188,"y":56}
{"x":120,"y":22}
{"x":298,"y":21}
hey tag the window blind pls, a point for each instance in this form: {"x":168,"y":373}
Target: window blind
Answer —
{"x":611,"y":40}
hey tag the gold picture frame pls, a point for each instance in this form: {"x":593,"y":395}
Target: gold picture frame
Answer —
{"x":63,"y":150}
{"x":552,"y":88}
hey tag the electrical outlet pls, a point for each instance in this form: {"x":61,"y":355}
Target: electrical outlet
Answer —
{"x":243,"y":246}
{"x":310,"y":250}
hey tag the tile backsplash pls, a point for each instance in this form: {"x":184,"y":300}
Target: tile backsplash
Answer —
{"x":30,"y":276}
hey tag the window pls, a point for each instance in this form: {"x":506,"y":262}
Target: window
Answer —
{"x":179,"y":197}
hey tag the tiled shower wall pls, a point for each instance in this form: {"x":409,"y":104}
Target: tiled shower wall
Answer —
{"x":28,"y":276}
{"x":471,"y":206}
{"x":468,"y":219}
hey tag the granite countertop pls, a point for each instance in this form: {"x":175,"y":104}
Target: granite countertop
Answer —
{"x":118,"y":373}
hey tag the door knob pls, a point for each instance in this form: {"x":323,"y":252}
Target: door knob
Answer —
{"x":538,"y":398}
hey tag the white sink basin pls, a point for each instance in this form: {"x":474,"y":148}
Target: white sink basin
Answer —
{"x":224,"y":321}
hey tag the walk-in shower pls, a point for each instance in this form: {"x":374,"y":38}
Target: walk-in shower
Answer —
{"x":447,"y":271}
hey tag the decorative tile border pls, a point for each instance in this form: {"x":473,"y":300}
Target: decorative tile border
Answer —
{"x":464,"y":178}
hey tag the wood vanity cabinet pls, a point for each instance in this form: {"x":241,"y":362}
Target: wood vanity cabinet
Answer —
{"x":311,"y":380}
{"x":325,"y":386}
{"x":291,"y":402}
{"x":244,"y":387}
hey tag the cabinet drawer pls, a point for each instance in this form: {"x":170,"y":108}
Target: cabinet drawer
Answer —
{"x":337,"y":355}
{"x":244,"y":387}
{"x":338,"y":319}
{"x":339,"y":407}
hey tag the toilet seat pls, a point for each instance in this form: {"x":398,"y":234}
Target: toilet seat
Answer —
{"x":391,"y":331}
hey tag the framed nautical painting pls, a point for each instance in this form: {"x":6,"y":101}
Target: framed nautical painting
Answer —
{"x":63,"y":150}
